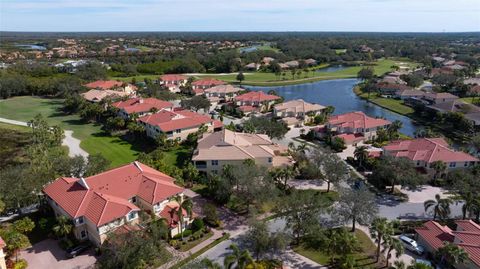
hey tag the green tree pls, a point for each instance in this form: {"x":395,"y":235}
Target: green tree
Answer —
{"x":381,"y":229}
{"x":393,"y":129}
{"x":184,"y":204}
{"x":63,"y":227}
{"x":361,"y":154}
{"x":451,"y":255}
{"x":196,"y":103}
{"x":392,"y":244}
{"x":238,"y":259}
{"x":365,"y":73}
{"x":391,"y":171}
{"x":439,"y":167}
{"x":441,"y":207}
{"x":240,"y":77}
{"x":356,"y":205}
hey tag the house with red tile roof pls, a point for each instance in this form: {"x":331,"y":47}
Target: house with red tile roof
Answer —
{"x":299,"y":109}
{"x":173,"y":82}
{"x":3,"y":264}
{"x":423,"y":152}
{"x":386,"y":88}
{"x":255,"y":101}
{"x":112,"y":85}
{"x":177,"y":124}
{"x":141,"y":106}
{"x":439,"y":97}
{"x":101,"y":204}
{"x":356,"y":126}
{"x":433,"y":236}
{"x":206,"y":83}
{"x":227,"y":147}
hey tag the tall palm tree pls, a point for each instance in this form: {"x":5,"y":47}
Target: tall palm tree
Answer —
{"x":381,"y":228}
{"x":240,"y":258}
{"x":393,"y":129}
{"x":209,"y":264}
{"x":390,"y":244}
{"x":451,"y":255}
{"x":183,"y":204}
{"x":439,"y":167}
{"x":361,"y":154}
{"x":469,"y":200}
{"x":441,"y":206}
{"x":63,"y":227}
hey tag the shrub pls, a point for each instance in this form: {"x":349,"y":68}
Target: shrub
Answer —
{"x":197,"y":224}
{"x":185,"y":233}
{"x":21,"y":264}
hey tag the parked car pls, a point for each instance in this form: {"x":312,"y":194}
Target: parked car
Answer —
{"x":412,"y":245}
{"x":72,"y":252}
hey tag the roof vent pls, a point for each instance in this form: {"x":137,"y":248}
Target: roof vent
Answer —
{"x":138,"y":166}
{"x":83,"y":183}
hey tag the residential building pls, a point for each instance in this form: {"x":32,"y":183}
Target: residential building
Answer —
{"x":177,"y":124}
{"x":206,"y":83}
{"x":456,"y":105}
{"x":173,"y":82}
{"x":255,"y":101}
{"x":96,"y":96}
{"x":224,"y":92}
{"x":439,"y":97}
{"x":406,"y":94}
{"x":252,"y":66}
{"x":310,"y":62}
{"x":112,"y":85}
{"x":103,"y":203}
{"x":297,"y":109}
{"x":423,"y":152}
{"x":227,"y":147}
{"x":390,"y":88}
{"x":267,"y":60}
{"x":141,"y":106}
{"x":466,"y":235}
{"x":472,"y":81}
{"x":292,"y":64}
{"x":355,"y":126}
{"x":392,"y":80}
{"x":3,"y":264}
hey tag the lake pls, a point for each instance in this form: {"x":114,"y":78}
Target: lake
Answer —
{"x":31,"y":47}
{"x":332,"y":68}
{"x":338,"y":93}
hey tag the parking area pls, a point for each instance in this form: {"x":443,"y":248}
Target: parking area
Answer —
{"x":47,"y":254}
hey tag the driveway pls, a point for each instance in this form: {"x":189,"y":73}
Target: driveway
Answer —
{"x":47,"y":254}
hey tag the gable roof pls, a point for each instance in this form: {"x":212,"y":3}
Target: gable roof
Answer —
{"x":178,"y":119}
{"x":137,"y":105}
{"x":104,"y":84}
{"x":173,"y":77}
{"x":356,"y":120}
{"x":256,"y":96}
{"x":95,"y":95}
{"x":208,"y":82}
{"x":428,"y":150}
{"x":105,"y":197}
{"x":298,"y":105}
{"x":225,"y":89}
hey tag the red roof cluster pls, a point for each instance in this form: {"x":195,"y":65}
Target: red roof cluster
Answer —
{"x":105,"y":197}
{"x":210,"y":82}
{"x":178,"y":119}
{"x":256,"y":96}
{"x":356,"y":120}
{"x":138,"y":105}
{"x":104,"y":84}
{"x":467,"y":236}
{"x":169,"y":213}
{"x":428,"y":150}
{"x":172,"y":77}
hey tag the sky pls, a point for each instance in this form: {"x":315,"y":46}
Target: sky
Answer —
{"x":241,"y":15}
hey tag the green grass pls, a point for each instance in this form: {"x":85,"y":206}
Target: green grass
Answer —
{"x":93,"y":139}
{"x":340,"y":51}
{"x":391,"y":104}
{"x":18,"y":128}
{"x":364,"y":258}
{"x":178,"y":157}
{"x":190,"y":244}
{"x":381,"y":67}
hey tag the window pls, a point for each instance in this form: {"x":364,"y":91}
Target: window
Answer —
{"x":178,"y":131}
{"x":465,"y":164}
{"x":418,"y":163}
{"x":214,"y":162}
{"x":452,"y":165}
{"x":134,"y":199}
{"x":269,"y":160}
{"x":83,"y":234}
{"x":132,"y":215}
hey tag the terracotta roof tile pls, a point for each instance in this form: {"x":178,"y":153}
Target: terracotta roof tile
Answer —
{"x":138,"y":105}
{"x":356,"y":119}
{"x":256,"y":96}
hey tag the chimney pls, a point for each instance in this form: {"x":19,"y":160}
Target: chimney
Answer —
{"x":140,"y":101}
{"x":83,"y":183}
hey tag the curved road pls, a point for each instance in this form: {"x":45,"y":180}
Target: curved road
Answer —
{"x":71,"y":142}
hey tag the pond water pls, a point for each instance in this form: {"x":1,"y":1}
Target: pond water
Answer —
{"x":31,"y":47}
{"x":248,"y":49}
{"x":331,"y":68}
{"x":338,"y":93}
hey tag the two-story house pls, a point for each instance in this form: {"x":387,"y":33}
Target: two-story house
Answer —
{"x":355,"y":126}
{"x":177,"y":124}
{"x":141,"y":106}
{"x":298,"y":109}
{"x":206,"y":83}
{"x":255,"y":101}
{"x":173,"y":82}
{"x":227,"y":147}
{"x":423,"y":152}
{"x":101,"y":204}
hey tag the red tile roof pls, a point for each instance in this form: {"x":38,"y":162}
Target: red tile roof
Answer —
{"x":208,"y":82}
{"x":104,"y":84}
{"x":428,"y":150}
{"x":138,"y":105}
{"x":355,"y":120}
{"x":173,"y":77}
{"x":467,"y":236}
{"x":256,"y":96}
{"x":351,"y":138}
{"x":247,"y":108}
{"x":169,"y":213}
{"x":107,"y":195}
{"x":173,"y":120}
{"x":392,"y":86}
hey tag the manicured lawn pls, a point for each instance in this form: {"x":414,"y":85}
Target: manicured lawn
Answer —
{"x":392,"y":104}
{"x":190,"y":244}
{"x":381,"y":67}
{"x":19,"y":128}
{"x":178,"y":157}
{"x":340,"y":51}
{"x":94,"y":140}
{"x":365,"y":257}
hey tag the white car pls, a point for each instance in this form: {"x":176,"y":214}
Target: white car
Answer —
{"x":412,"y":245}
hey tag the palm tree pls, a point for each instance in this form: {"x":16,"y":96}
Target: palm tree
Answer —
{"x":241,"y":258}
{"x":418,"y":265}
{"x":441,"y":206}
{"x":391,"y":243}
{"x":380,"y":230}
{"x":398,"y":264}
{"x":361,"y":154}
{"x":451,"y":255}
{"x":183,"y":204}
{"x":393,"y":129}
{"x":63,"y":227}
{"x":209,"y":264}
{"x":439,"y":167}
{"x":469,"y":203}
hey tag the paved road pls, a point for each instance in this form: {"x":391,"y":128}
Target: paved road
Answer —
{"x":71,"y":142}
